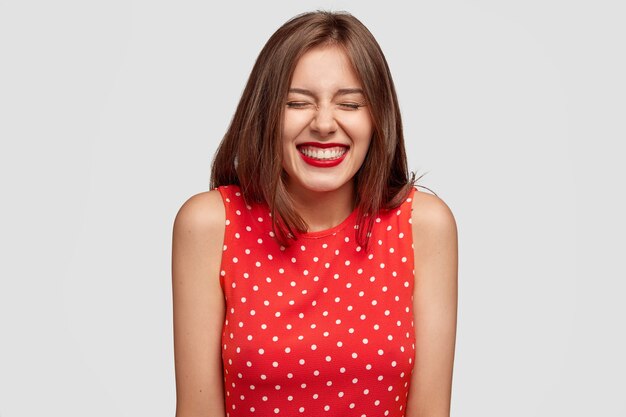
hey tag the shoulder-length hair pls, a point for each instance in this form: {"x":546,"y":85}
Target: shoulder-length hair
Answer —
{"x":250,"y":154}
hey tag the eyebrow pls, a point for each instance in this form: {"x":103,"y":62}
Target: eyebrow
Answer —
{"x":340,"y":92}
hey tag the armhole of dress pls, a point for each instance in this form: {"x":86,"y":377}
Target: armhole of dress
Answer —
{"x":226,"y":197}
{"x":409,"y":202}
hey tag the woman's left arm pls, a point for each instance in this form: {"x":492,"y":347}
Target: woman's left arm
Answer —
{"x":435,"y":306}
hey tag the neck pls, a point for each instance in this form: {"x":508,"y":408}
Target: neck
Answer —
{"x":324,"y":210}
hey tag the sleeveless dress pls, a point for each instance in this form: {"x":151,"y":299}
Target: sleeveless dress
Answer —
{"x":321,"y":327}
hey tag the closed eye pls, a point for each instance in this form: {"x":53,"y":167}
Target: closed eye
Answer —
{"x":351,"y":106}
{"x":297,"y":104}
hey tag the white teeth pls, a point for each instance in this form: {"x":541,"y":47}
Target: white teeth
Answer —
{"x":323,"y":154}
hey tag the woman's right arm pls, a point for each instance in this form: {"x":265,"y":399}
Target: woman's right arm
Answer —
{"x":198,"y":305}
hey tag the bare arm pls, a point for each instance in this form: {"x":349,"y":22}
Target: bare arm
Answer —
{"x":198,"y":304}
{"x":435,"y":306}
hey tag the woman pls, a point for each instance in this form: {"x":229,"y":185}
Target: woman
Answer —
{"x":315,"y":279}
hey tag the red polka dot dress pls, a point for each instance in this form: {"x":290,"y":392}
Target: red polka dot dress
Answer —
{"x":319,"y":328}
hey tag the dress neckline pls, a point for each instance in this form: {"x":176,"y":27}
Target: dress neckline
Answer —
{"x":333,"y":230}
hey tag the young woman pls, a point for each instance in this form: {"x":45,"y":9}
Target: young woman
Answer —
{"x":314,"y":279}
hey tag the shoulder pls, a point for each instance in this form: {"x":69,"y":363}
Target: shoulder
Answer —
{"x":432,"y":220}
{"x":202,"y":214}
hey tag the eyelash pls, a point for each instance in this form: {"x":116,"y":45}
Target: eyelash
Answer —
{"x":299,"y":105}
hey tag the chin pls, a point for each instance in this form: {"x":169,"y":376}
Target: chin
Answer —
{"x":323,"y":186}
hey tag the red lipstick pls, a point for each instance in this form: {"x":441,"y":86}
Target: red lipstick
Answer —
{"x":322,"y":163}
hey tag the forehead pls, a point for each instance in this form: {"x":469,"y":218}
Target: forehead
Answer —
{"x":325,"y":68}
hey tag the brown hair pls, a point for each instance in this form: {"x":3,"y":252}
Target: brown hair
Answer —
{"x":250,"y":154}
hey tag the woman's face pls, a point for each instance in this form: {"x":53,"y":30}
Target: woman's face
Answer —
{"x":327,"y":126}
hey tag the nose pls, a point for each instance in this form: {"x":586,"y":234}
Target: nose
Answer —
{"x":323,"y":121}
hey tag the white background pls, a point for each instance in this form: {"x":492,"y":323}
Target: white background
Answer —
{"x":110,"y":112}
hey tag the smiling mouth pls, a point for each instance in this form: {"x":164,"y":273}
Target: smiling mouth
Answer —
{"x":323,"y":154}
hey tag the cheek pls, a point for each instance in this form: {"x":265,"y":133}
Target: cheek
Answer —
{"x":293,"y":124}
{"x":361,"y":135}
{"x":359,"y":128}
